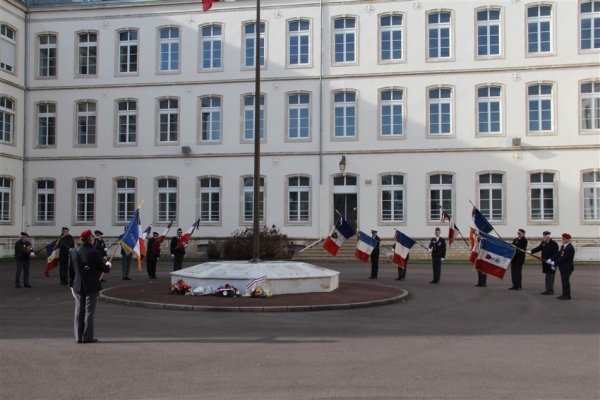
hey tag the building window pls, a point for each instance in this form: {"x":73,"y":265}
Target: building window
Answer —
{"x":299,"y":42}
{"x":590,"y":105}
{"x":167,"y":200}
{"x":210,"y":123}
{"x":87,"y":53}
{"x":539,"y":29}
{"x":438,"y":35}
{"x":47,"y":55}
{"x":391,"y":32}
{"x":127,"y":121}
{"x":392,"y":198}
{"x":488,"y":32}
{"x":7,"y":120}
{"x":250,"y":44}
{"x":44,"y":199}
{"x":212,"y":41}
{"x":591,"y":196}
{"x":46,"y":124}
{"x":86,"y":123}
{"x":440,"y":111}
{"x":168,"y":120}
{"x":590,"y":25}
{"x":540,"y":108}
{"x":210,"y":200}
{"x":344,"y":114}
{"x":85,"y":202}
{"x":125,"y":198}
{"x":5,"y":199}
{"x":298,"y":116}
{"x":128,"y":51}
{"x":248,"y":197}
{"x":491,"y":196}
{"x":298,"y":199}
{"x":392,"y":113}
{"x":8,"y":48}
{"x":489,"y":114}
{"x":249,"y":117}
{"x":169,"y":49}
{"x":542,"y":196}
{"x":440,"y":193}
{"x":344,"y":37}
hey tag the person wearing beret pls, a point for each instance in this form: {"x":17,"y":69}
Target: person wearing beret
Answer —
{"x":23,"y":252}
{"x":151,"y":256}
{"x":437,"y":248}
{"x":375,"y":256}
{"x":516,"y":264}
{"x":85,"y":268}
{"x":564,"y":261}
{"x":548,"y":247}
{"x":100,"y":245}
{"x":66,"y":244}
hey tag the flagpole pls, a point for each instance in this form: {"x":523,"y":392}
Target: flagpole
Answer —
{"x":256,"y":222}
{"x":53,"y":241}
{"x":459,"y":232}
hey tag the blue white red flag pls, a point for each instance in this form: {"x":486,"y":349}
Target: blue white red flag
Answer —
{"x":338,"y":235}
{"x":494,"y":256}
{"x":365,"y":246}
{"x":161,"y":238}
{"x":452,"y":231}
{"x":52,"y":251}
{"x":480,"y":222}
{"x":403,"y":246}
{"x":130,"y":239}
{"x":255,"y":281}
{"x":186,"y":236}
{"x":142,"y":244}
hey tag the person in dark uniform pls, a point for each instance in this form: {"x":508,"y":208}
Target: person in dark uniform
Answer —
{"x":402,"y":271}
{"x":481,"y":279}
{"x":564,"y":261}
{"x":151,"y":256}
{"x":375,"y":255}
{"x":516,"y":265}
{"x":177,"y":253}
{"x":437,"y":248}
{"x":100,"y":245}
{"x":66,"y":244}
{"x":85,"y":267}
{"x":125,"y":261}
{"x":548,"y":247}
{"x":23,"y":252}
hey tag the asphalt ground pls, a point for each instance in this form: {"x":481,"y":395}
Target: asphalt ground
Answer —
{"x":446,"y":341}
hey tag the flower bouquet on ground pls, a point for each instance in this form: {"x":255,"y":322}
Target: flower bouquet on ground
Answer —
{"x":202,"y":291}
{"x":257,"y":291}
{"x":227,"y":291}
{"x":180,"y":287}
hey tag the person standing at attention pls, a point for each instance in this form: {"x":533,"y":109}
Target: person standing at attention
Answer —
{"x":125,"y":261}
{"x":564,"y":260}
{"x":516,"y":265}
{"x":375,"y":255}
{"x":151,"y":256}
{"x":23,"y":252}
{"x":177,"y":253}
{"x":66,"y":244}
{"x":548,"y":247}
{"x":99,"y":244}
{"x":437,"y":248}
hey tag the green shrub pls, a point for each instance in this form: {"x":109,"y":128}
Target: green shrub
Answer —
{"x":213,"y":250}
{"x":274,"y":245}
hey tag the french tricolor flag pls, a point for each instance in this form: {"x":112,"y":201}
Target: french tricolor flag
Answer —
{"x":494,"y":256}
{"x":338,"y":235}
{"x":403,"y":246}
{"x":365,"y":246}
{"x":186,"y":236}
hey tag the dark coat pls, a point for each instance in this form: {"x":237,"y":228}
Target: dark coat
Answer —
{"x":150,"y":254}
{"x":564,"y":258}
{"x":100,"y":245}
{"x":548,"y":250}
{"x":438,"y":250}
{"x":84,"y":274}
{"x":521,"y":243}
{"x":174,"y":249}
{"x":22,"y":250}
{"x":377,"y":246}
{"x":66,"y":243}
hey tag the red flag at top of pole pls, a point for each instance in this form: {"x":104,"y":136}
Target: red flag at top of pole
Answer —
{"x":207,"y":4}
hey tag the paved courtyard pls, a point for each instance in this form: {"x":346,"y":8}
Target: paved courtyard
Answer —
{"x":446,"y":341}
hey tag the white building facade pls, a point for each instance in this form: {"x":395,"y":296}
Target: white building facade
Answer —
{"x":111,"y":103}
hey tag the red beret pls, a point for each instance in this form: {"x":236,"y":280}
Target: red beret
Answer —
{"x":566,"y":236}
{"x":85,"y":234}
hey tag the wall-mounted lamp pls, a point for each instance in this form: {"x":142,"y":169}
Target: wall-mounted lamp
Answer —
{"x":343,"y":165}
{"x":186,"y":149}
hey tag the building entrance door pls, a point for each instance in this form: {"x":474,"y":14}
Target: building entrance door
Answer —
{"x":346,"y":205}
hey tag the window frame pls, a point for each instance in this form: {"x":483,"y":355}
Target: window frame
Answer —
{"x":492,"y":186}
{"x":540,"y":98}
{"x":595,"y":97}
{"x":10,"y":192}
{"x":381,"y":103}
{"x":345,"y":31}
{"x":210,"y":39}
{"x":38,"y":59}
{"x":128,"y":114}
{"x":288,"y":190}
{"x":96,"y":58}
{"x":49,"y":115}
{"x":288,"y":44}
{"x":595,"y":186}
{"x":36,"y":203}
{"x":502,"y":119}
{"x":391,"y":28}
{"x":439,"y":26}
{"x":440,"y":186}
{"x":452,"y":113}
{"x":170,"y":41}
{"x":252,"y":36}
{"x":538,"y":20}
{"x":243,"y":191}
{"x":88,"y":114}
{"x":288,"y":108}
{"x":393,"y":188}
{"x":4,"y":38}
{"x":542,"y":185}
{"x":210,"y":190}
{"x":345,"y":105}
{"x":85,"y":191}
{"x":211,"y":110}
{"x":158,"y":122}
{"x":12,"y":113}
{"x":250,"y":108}
{"x":129,"y":44}
{"x":581,"y":16}
{"x":488,"y":23}
{"x":168,"y":190}
{"x":116,"y":221}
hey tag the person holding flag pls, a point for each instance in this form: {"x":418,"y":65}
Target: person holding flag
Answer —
{"x":375,"y":255}
{"x":177,"y":252}
{"x":23,"y":252}
{"x":402,"y":246}
{"x":437,"y":248}
{"x":152,"y":256}
{"x":549,"y":248}
{"x":516,"y":265}
{"x":99,"y":244}
{"x":66,"y":244}
{"x":126,"y":257}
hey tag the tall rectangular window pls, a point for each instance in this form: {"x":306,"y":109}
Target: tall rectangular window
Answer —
{"x":212,"y":41}
{"x":440,"y":111}
{"x":87,"y":53}
{"x":344,"y":40}
{"x":298,"y":199}
{"x":440,"y":193}
{"x":8,"y":48}
{"x":44,"y":201}
{"x":488,"y":32}
{"x":392,"y":113}
{"x":210,"y":114}
{"x":299,"y":40}
{"x":5,"y":199}
{"x":86,"y":123}
{"x":7,"y":120}
{"x":539,"y":29}
{"x":299,"y":116}
{"x":491,"y":198}
{"x":489,"y":114}
{"x":249,"y":117}
{"x":344,"y":114}
{"x":248,"y":197}
{"x":167,"y":200}
{"x":128,"y":51}
{"x":127,"y":121}
{"x":85,"y":200}
{"x":542,"y":195}
{"x":47,"y":55}
{"x":169,"y":49}
{"x":590,"y":106}
{"x":392,"y":198}
{"x":210,"y":201}
{"x":591,"y":196}
{"x":589,"y":13}
{"x":250,"y":44}
{"x":540,"y":108}
{"x":391,"y":33}
{"x":168,"y":114}
{"x":46,"y":124}
{"x":438,"y":35}
{"x":125,"y":200}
